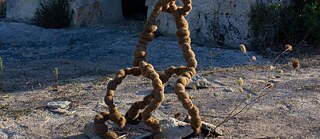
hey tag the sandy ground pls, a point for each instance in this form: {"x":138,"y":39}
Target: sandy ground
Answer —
{"x":88,"y":57}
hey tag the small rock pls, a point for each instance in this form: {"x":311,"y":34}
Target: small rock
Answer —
{"x":280,"y":71}
{"x":228,"y":89}
{"x":59,"y":104}
{"x":259,"y":81}
{"x":90,"y":131}
{"x":277,"y":76}
{"x":53,"y":88}
{"x":211,"y":112}
{"x":199,"y":82}
{"x":219,"y":82}
{"x":177,"y":115}
{"x":158,"y":114}
{"x":187,"y":119}
{"x":275,"y":81}
{"x":272,"y":77}
{"x":208,"y":128}
{"x":173,"y":128}
{"x":59,"y":111}
{"x":3,"y":135}
{"x":71,"y":112}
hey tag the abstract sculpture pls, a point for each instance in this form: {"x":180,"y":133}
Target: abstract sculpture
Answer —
{"x":152,"y":101}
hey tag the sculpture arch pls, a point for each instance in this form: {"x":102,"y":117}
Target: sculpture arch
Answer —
{"x":152,"y":101}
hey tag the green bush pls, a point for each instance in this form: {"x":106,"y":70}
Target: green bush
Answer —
{"x":276,"y":24}
{"x":311,"y":18}
{"x":265,"y":20}
{"x":53,"y":14}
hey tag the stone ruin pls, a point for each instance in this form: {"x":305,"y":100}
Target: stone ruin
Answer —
{"x":214,"y":22}
{"x":152,"y":101}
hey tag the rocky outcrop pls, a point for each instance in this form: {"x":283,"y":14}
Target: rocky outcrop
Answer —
{"x":22,"y":10}
{"x":83,"y":11}
{"x":222,"y":22}
{"x":95,"y":11}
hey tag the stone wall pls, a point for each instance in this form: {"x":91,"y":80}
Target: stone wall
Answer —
{"x":218,"y":22}
{"x":96,"y":11}
{"x":84,"y":11}
{"x":21,"y":10}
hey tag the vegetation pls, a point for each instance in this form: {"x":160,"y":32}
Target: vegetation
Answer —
{"x":261,"y":92}
{"x":275,"y":24}
{"x":56,"y":74}
{"x":53,"y":14}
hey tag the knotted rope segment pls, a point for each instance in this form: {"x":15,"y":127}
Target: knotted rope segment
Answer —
{"x":152,"y":101}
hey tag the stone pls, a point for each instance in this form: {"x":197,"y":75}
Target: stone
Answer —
{"x":158,"y":114}
{"x":59,"y":111}
{"x":173,"y":128}
{"x":228,"y":89}
{"x":3,"y":135}
{"x":95,"y":11}
{"x":90,"y":131}
{"x":199,"y":82}
{"x":271,"y":77}
{"x":187,"y":119}
{"x":22,"y":10}
{"x":277,"y":76}
{"x":218,"y":82}
{"x":84,"y":11}
{"x":225,"y":22}
{"x":275,"y":81}
{"x":211,"y":129}
{"x":59,"y":104}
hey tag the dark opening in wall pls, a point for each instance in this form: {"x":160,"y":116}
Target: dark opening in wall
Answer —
{"x":3,"y":7}
{"x":134,"y":9}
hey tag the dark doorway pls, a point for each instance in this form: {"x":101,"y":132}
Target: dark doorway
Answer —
{"x":3,"y":8}
{"x":134,"y":9}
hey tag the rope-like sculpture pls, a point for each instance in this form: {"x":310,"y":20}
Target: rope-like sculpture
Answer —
{"x":152,"y":101}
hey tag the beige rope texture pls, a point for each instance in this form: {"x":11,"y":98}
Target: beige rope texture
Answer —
{"x":152,"y":101}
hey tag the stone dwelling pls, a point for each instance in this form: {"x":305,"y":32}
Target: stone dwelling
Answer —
{"x":222,"y":22}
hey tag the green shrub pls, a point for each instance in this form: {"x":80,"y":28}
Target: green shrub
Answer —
{"x":265,"y":20}
{"x":311,"y":18}
{"x":276,"y":24}
{"x":53,"y":14}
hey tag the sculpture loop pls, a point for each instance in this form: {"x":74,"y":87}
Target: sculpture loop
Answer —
{"x":152,"y":101}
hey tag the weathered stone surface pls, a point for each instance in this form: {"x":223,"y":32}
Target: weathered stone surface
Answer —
{"x":95,"y":11}
{"x":22,"y":10}
{"x":59,"y":104}
{"x":199,"y":82}
{"x":84,"y":11}
{"x":224,"y":22}
{"x":59,"y":111}
{"x":207,"y":127}
{"x":173,"y":128}
{"x":90,"y":131}
{"x":228,"y":89}
{"x":3,"y":135}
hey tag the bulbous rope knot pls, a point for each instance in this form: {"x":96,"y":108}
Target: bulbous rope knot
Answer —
{"x":152,"y":101}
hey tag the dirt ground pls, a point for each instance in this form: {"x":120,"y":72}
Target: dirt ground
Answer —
{"x":290,"y":109}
